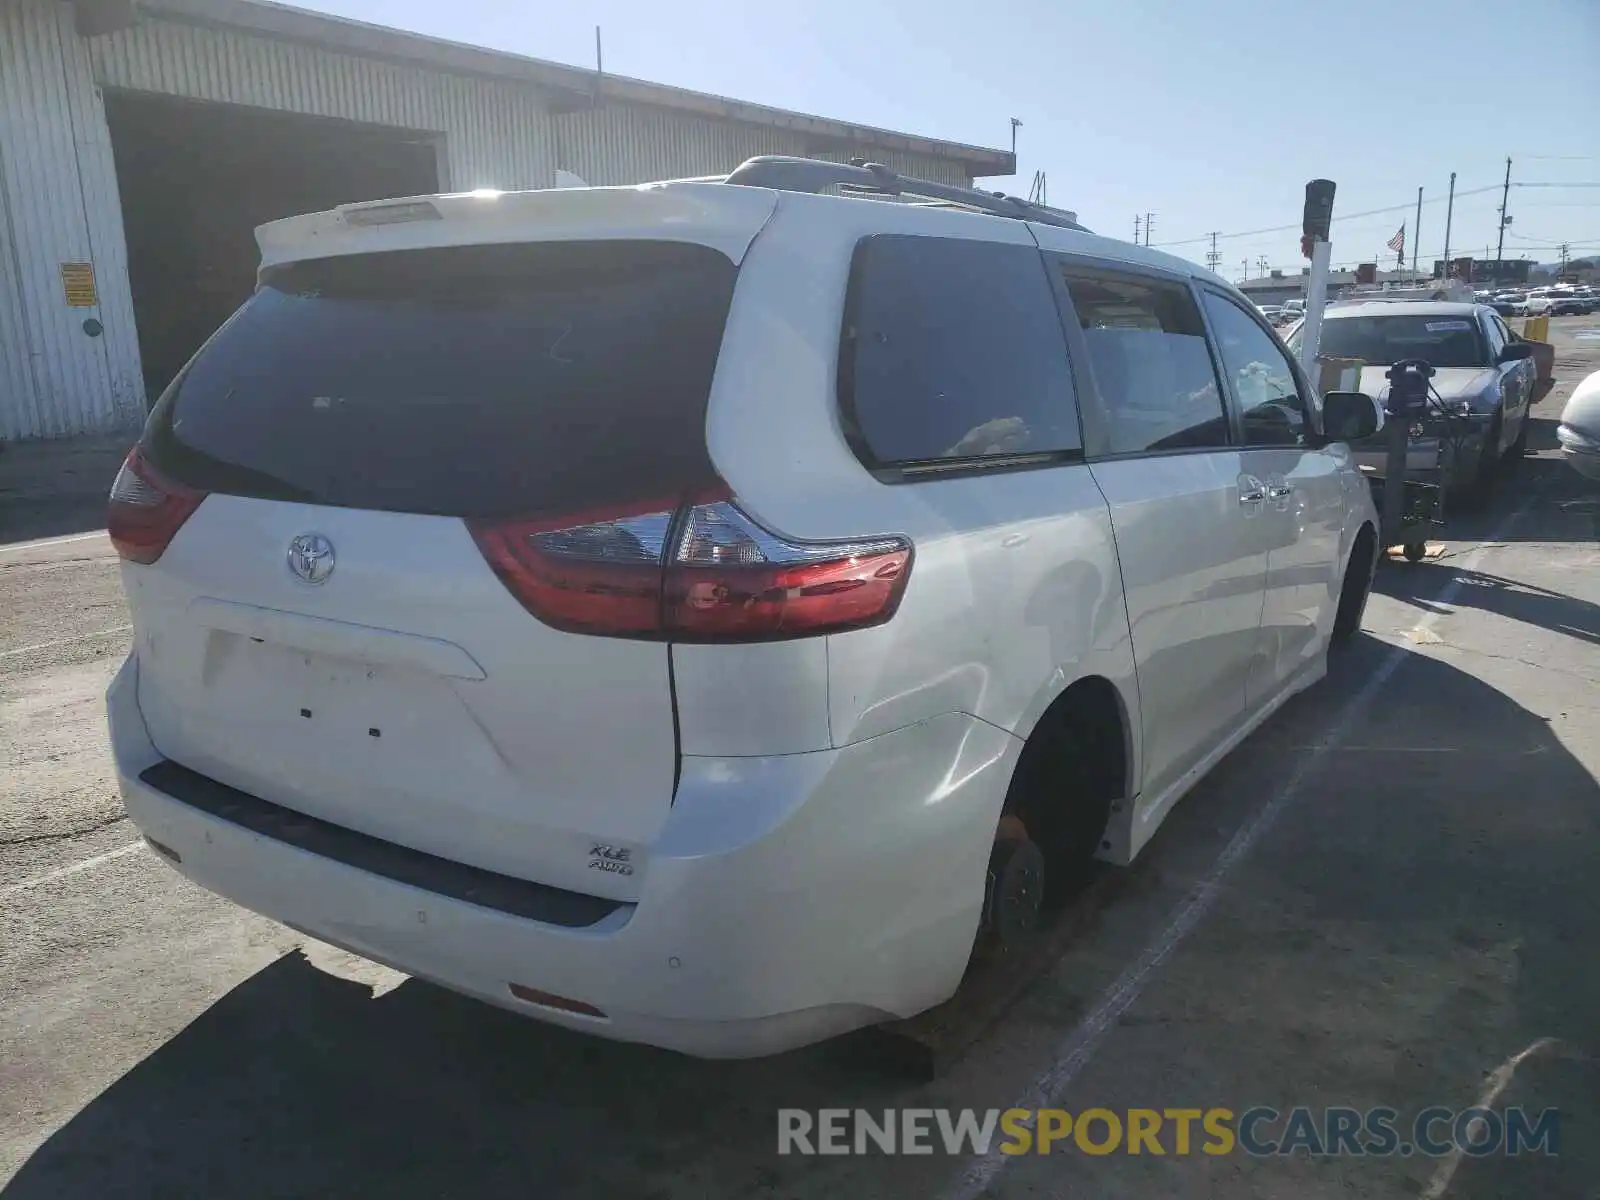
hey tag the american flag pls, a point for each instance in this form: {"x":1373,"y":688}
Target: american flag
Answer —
{"x":1398,"y":242}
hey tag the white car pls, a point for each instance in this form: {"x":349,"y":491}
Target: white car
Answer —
{"x":698,"y":613}
{"x":1578,"y":431}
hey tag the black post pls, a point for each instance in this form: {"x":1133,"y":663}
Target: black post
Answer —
{"x":1449,"y":212}
{"x":1505,"y":195}
{"x":1398,"y":428}
{"x":1417,"y":239}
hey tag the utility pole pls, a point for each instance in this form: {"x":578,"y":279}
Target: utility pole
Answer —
{"x":1505,"y":195}
{"x":1262,"y":264}
{"x":1565,"y":252}
{"x":1449,"y":213}
{"x":1213,"y":257}
{"x":1246,"y":270}
{"x":1149,"y":224}
{"x":1015,"y":125}
{"x":1136,"y":229}
{"x":1416,"y":239}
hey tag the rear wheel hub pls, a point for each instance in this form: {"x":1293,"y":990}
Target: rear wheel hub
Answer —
{"x":1016,"y":891}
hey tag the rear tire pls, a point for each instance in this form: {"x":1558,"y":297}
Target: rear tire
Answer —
{"x":1476,"y":492}
{"x":1356,"y":587}
{"x":1520,"y":446}
{"x":1070,"y":773}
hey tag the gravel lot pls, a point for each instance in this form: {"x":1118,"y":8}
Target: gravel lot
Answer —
{"x":1385,"y":896}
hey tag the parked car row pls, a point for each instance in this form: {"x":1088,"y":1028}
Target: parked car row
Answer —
{"x":1483,"y":383}
{"x":1552,"y":301}
{"x":1280,"y":315}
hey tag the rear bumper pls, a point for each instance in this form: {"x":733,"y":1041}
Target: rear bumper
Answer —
{"x":1584,"y":462}
{"x":1422,"y":456}
{"x":1432,"y":459}
{"x":788,"y":899}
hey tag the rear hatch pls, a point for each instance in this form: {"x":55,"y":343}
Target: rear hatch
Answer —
{"x":325,"y":629}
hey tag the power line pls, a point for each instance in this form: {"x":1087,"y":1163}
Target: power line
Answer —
{"x":1523,"y":237}
{"x":1371,"y":212}
{"x":1292,"y":272}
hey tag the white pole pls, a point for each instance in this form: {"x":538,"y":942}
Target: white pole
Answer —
{"x":1316,"y":301}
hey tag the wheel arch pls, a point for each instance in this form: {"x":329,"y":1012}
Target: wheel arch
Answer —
{"x":1092,"y":707}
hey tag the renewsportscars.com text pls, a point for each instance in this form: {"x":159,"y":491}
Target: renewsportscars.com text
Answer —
{"x":1259,"y":1131}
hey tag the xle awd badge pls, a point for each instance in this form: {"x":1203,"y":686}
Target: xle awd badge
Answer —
{"x":616,"y":860}
{"x":311,"y":558}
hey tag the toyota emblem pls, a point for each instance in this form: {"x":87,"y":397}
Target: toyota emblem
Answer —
{"x":311,"y":558}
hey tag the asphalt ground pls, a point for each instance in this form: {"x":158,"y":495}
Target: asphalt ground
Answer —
{"x":1388,"y":896}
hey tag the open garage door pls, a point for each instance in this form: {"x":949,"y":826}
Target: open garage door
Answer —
{"x":197,"y":178}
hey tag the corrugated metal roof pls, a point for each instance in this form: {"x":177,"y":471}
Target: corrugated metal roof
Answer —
{"x":574,"y":84}
{"x":630,"y":143}
{"x":496,"y":134}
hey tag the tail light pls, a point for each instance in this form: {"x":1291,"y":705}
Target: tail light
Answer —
{"x":146,"y":509}
{"x":700,"y":572}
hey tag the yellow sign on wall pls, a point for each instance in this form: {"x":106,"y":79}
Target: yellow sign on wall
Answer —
{"x":77,"y":281}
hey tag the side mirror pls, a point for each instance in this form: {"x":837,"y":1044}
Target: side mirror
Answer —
{"x":1516,"y":351}
{"x":1350,"y":416}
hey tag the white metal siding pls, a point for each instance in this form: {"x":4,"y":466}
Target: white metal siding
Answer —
{"x":630,"y":143}
{"x":60,"y":206}
{"x":18,"y":399}
{"x":495,"y":134}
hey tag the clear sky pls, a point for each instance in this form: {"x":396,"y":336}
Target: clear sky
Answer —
{"x":1212,"y":114}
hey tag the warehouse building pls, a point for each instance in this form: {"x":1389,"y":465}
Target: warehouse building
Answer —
{"x":141,"y":142}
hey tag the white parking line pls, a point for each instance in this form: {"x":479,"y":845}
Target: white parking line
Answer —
{"x":71,"y":869}
{"x":1079,"y":1046}
{"x":82,"y":637}
{"x":43,"y":542}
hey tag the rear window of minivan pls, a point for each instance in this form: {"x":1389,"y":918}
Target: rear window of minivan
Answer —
{"x":461,"y":381}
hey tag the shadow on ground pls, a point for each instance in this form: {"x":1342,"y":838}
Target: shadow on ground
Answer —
{"x":297,"y":1083}
{"x":56,"y":488}
{"x":1570,"y":515}
{"x":1457,"y":877}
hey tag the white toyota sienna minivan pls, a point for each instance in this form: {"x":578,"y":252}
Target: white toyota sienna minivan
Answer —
{"x":701,"y":613}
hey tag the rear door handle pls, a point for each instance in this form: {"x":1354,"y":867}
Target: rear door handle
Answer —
{"x":1280,"y":491}
{"x":1255,"y":495}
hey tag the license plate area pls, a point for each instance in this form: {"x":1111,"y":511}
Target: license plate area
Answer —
{"x":325,"y":697}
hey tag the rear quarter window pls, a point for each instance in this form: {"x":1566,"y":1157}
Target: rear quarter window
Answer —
{"x":953,"y":356}
{"x":460,"y":381}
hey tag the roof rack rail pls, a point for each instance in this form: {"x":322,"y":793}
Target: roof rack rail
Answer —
{"x":787,"y":174}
